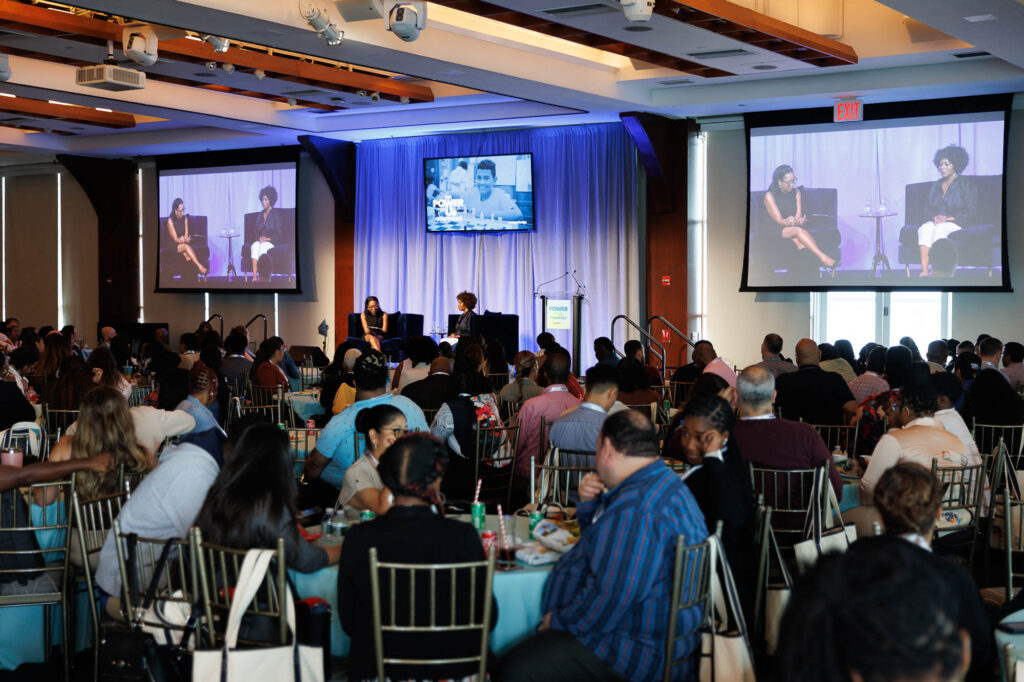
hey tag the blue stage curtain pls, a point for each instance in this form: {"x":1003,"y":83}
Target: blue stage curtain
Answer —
{"x":584,"y":181}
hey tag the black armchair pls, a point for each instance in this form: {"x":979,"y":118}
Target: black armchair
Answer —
{"x":172,"y":263}
{"x":978,"y":244}
{"x":769,"y":253}
{"x":492,"y":326}
{"x":400,"y":327}
{"x":280,"y":260}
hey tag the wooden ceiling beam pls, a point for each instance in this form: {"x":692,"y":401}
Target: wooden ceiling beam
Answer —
{"x":34,"y":108}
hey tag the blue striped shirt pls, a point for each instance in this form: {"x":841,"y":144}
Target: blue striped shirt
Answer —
{"x":612,"y":591}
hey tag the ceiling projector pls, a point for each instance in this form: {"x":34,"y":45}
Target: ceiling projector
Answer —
{"x":638,"y":10}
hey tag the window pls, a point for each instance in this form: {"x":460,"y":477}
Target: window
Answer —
{"x":882,"y":317}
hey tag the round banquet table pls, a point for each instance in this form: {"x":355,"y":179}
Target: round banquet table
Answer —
{"x":306,"y":404}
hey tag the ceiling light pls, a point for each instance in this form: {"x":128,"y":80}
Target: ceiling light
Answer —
{"x":260,"y":74}
{"x":322,"y":25}
{"x":362,"y":93}
{"x":217,"y":43}
{"x":6,"y":94}
{"x":108,"y":111}
{"x":210,"y":66}
{"x":291,"y":101}
{"x":404,"y":99}
{"x":63,"y":104}
{"x":228,"y":68}
{"x":975,"y":18}
{"x":374,"y":97}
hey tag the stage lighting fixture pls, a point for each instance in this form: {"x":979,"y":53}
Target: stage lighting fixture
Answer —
{"x":210,"y":66}
{"x":407,"y":19}
{"x":228,"y":68}
{"x":5,"y":68}
{"x":139,"y":42}
{"x":216,"y":42}
{"x":362,"y":93}
{"x":322,"y":25}
{"x":374,"y":97}
{"x":637,"y":10}
{"x":404,"y":99}
{"x":260,"y":74}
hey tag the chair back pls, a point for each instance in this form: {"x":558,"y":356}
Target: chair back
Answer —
{"x":138,"y":396}
{"x":29,"y":438}
{"x":648,"y":410}
{"x":271,"y":410}
{"x":678,"y":391}
{"x":495,"y":462}
{"x":498,"y":380}
{"x":987,"y":436}
{"x":127,"y":481}
{"x":691,"y":589}
{"x":218,"y":575}
{"x":138,"y":559}
{"x":845,"y":437}
{"x":789,"y":493}
{"x":300,"y":444}
{"x":558,"y":478}
{"x":58,"y":421}
{"x":308,"y":374}
{"x":459,"y":595}
{"x":961,"y":503}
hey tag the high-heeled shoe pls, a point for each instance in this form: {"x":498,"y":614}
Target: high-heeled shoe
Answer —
{"x":835,"y":266}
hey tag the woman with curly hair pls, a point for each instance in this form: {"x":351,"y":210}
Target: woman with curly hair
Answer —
{"x":467,"y":303}
{"x":952,"y":201}
{"x":269,"y":229}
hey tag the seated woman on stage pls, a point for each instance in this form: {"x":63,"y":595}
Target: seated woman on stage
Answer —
{"x":374,"y":321}
{"x":414,"y":532}
{"x":953,"y":201}
{"x":784,"y":205}
{"x":252,"y":502}
{"x":177,"y":229}
{"x":466,"y":302}
{"x":265,"y":369}
{"x":362,"y":488}
{"x":269,"y":229}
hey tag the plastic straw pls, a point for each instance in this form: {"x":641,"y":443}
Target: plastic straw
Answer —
{"x":501,"y":524}
{"x":476,"y":496}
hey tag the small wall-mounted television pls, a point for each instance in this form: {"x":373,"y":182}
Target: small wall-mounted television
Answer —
{"x":491,"y":193}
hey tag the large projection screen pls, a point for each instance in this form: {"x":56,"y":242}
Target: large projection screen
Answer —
{"x":861,"y":206}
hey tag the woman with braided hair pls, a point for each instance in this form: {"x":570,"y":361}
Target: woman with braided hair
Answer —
{"x":202,"y":389}
{"x":876,"y":613}
{"x":413,"y":532}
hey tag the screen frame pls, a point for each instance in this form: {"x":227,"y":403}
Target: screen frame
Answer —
{"x":423,"y":183}
{"x":233,"y":158}
{"x":1000,"y":103}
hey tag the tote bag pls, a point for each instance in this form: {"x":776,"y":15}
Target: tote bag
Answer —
{"x":821,"y":542}
{"x":725,"y":650}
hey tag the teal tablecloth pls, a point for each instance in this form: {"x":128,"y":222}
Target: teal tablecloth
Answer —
{"x":1004,"y":638}
{"x":851,"y":496}
{"x":518,"y":594}
{"x":306,"y":406}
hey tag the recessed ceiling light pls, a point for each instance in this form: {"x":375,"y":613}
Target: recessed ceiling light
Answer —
{"x":975,"y":18}
{"x":637,"y":28}
{"x":764,"y":67}
{"x":63,"y":104}
{"x":6,"y":94}
{"x":109,"y":111}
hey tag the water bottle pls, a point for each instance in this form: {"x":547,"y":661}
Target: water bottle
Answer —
{"x":327,"y":523}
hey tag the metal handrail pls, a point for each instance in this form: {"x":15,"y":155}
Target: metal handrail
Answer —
{"x":218,"y":315}
{"x":657,"y":348}
{"x":256,"y":317}
{"x":671,"y":326}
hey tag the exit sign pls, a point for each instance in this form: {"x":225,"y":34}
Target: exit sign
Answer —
{"x":850,"y":110}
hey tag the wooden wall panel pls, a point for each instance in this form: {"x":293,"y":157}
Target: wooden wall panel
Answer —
{"x":32,"y":249}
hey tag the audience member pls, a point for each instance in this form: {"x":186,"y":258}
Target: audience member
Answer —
{"x":14,"y":407}
{"x":362,"y":489}
{"x":634,"y":388}
{"x":604,"y":605}
{"x":887,"y":617}
{"x":544,"y":340}
{"x":236,"y":365}
{"x":635,"y":349}
{"x":107,"y":335}
{"x":909,"y":498}
{"x":202,"y":388}
{"x":771,"y":356}
{"x":105,"y":371}
{"x":812,"y":394}
{"x":72,"y":383}
{"x":336,"y":448}
{"x":871,"y":383}
{"x":772,"y":443}
{"x":345,"y":394}
{"x":334,"y":375}
{"x":605,"y":352}
{"x":706,"y":385}
{"x":188,"y":349}
{"x":524,"y":386}
{"x":706,"y":357}
{"x":495,"y":361}
{"x":936,"y":356}
{"x":579,"y":428}
{"x":265,"y":368}
{"x":692,"y":371}
{"x":55,"y":349}
{"x":252,"y":502}
{"x":719,"y":479}
{"x":550,"y":405}
{"x":990,"y":351}
{"x":947,"y":392}
{"x":831,"y":362}
{"x":430,"y":393}
{"x":991,"y":400}
{"x":413,"y":531}
{"x":909,"y":343}
{"x":845,"y":351}
{"x":420,"y":351}
{"x":1013,"y":364}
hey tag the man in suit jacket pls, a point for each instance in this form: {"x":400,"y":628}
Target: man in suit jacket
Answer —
{"x":430,"y":393}
{"x":578,"y":428}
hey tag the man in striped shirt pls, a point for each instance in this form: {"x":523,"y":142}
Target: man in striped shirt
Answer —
{"x":606,"y":603}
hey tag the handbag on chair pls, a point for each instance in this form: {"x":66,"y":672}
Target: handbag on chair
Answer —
{"x":832,"y":539}
{"x":776,"y":596}
{"x":725,"y":650}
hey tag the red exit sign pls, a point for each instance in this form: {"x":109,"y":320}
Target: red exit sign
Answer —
{"x":852,"y":110}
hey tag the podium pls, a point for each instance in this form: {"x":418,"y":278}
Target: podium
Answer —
{"x":563,"y":311}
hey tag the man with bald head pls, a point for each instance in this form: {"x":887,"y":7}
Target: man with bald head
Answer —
{"x":811,"y":394}
{"x":771,"y":358}
{"x":107,"y":335}
{"x":766,"y":441}
{"x":705,"y":356}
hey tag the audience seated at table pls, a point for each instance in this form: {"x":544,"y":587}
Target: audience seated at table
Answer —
{"x":882,"y":613}
{"x":706,"y":385}
{"x":578,"y":428}
{"x":104,"y":425}
{"x":188,"y":350}
{"x":990,"y":350}
{"x":265,"y":369}
{"x":604,"y":605}
{"x":236,"y":365}
{"x":708,"y":359}
{"x":635,"y":349}
{"x":55,"y":349}
{"x":413,"y":531}
{"x":604,"y":351}
{"x":634,"y":384}
{"x":811,"y":394}
{"x":335,"y":374}
{"x":14,"y":406}
{"x":909,"y":500}
{"x":871,"y":381}
{"x":430,"y":393}
{"x":988,"y":401}
{"x":773,"y":443}
{"x":719,"y":479}
{"x":947,"y":392}
{"x":771,"y":356}
{"x":873,"y":411}
{"x":345,"y":391}
{"x":419,"y":351}
{"x":252,"y":502}
{"x":362,"y":488}
{"x":469,"y":406}
{"x":572,"y":383}
{"x":72,"y":382}
{"x":1013,"y":364}
{"x":544,"y":340}
{"x":911,"y":345}
{"x":524,"y":385}
{"x":691,"y":371}
{"x":936,"y":356}
{"x":335,"y":448}
{"x":202,"y":389}
{"x":831,"y":362}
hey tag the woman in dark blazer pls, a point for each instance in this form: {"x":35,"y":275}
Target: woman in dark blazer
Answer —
{"x":413,"y":531}
{"x":269,"y":230}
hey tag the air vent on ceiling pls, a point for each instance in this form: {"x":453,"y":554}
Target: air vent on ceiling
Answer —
{"x":674,"y":82}
{"x":719,"y":54}
{"x":969,"y":55}
{"x":586,"y":10}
